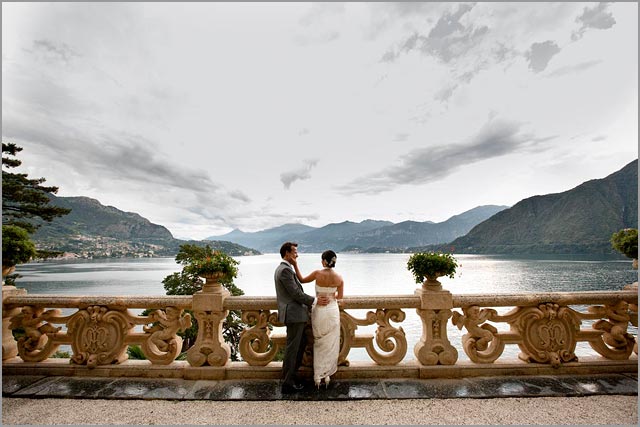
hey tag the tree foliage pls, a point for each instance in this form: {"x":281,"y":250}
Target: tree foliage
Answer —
{"x":25,"y":199}
{"x":187,"y":282}
{"x":626,"y":242}
{"x":17,"y":247}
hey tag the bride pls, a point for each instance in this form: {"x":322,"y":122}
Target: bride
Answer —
{"x":325,"y":319}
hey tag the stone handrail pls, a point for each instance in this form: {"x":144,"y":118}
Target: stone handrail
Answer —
{"x":545,"y":326}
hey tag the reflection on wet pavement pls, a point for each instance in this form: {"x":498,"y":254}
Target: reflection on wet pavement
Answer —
{"x":180,"y":389}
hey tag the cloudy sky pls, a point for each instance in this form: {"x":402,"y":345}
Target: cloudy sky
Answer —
{"x":205,"y":117}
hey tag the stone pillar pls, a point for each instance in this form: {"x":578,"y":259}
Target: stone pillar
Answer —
{"x":434,"y":347}
{"x":210,"y":347}
{"x":9,"y":344}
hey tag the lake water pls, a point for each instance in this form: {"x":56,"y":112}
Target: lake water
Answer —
{"x":364,"y":274}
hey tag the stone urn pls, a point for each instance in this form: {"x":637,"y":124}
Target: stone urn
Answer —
{"x":432,"y":283}
{"x":212,"y":281}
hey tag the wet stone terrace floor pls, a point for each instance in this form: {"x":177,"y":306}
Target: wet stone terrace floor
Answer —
{"x":32,"y":386}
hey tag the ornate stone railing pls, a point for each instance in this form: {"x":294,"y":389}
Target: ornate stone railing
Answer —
{"x":546,"y":328}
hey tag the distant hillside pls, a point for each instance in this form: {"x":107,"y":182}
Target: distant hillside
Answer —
{"x":580,"y":220}
{"x":366,"y":236}
{"x":337,"y":236}
{"x":264,"y":240}
{"x":89,"y":217}
{"x":95,"y":230}
{"x":410,"y":233}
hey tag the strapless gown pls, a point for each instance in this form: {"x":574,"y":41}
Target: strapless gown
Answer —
{"x":325,"y":322}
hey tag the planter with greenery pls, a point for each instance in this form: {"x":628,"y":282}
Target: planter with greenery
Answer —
{"x":428,"y":266}
{"x":215,"y":266}
{"x":626,"y":242}
{"x":17,"y":248}
{"x":188,"y":282}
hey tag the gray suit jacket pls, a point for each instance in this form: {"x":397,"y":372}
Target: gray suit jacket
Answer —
{"x":293,"y":303}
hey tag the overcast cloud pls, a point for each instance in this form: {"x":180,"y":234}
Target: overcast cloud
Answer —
{"x":425,"y":165}
{"x":598,"y":17}
{"x":204,"y":117}
{"x":301,"y":173}
{"x":540,"y":54}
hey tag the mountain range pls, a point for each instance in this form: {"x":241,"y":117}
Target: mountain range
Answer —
{"x":580,"y":220}
{"x":92,"y":230}
{"x":366,"y":236}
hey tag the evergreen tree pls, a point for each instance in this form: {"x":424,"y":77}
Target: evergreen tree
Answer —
{"x":23,"y":199}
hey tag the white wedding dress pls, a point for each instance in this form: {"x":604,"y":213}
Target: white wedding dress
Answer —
{"x":325,"y":322}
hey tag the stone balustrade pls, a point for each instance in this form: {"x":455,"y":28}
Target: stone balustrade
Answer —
{"x":546,"y":327}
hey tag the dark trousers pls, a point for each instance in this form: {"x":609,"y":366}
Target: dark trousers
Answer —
{"x":296,"y":342}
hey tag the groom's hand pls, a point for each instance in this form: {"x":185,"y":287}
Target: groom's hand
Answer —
{"x":323,"y":300}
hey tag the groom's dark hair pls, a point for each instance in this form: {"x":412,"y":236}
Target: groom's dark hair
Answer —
{"x":286,"y":247}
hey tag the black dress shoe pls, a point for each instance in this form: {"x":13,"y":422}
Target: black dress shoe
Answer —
{"x":291,"y":388}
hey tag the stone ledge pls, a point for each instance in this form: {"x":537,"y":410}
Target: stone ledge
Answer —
{"x":357,"y":370}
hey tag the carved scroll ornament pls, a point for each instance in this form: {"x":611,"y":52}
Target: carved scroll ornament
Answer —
{"x":256,"y":346}
{"x":615,"y":342}
{"x":37,"y":343}
{"x":482,"y":343}
{"x":163,"y":344}
{"x":390,"y":339}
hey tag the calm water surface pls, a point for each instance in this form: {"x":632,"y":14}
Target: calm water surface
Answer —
{"x":364,"y":274}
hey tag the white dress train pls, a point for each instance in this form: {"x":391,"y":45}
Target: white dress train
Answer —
{"x":325,"y":322}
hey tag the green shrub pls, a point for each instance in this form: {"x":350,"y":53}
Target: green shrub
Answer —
{"x":431,"y":265}
{"x":626,"y":242}
{"x":135,"y":352}
{"x":17,"y":247}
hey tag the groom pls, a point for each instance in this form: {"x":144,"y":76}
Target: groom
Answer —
{"x":293,"y":311}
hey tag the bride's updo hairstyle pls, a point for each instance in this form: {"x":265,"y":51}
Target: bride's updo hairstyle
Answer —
{"x":330,"y":258}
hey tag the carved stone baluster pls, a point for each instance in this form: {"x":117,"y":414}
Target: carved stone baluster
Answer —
{"x":9,"y":344}
{"x":163,"y":344}
{"x":389,"y":339}
{"x":435,"y":309}
{"x":615,"y":343}
{"x":482,"y":344}
{"x":256,"y":347}
{"x":210,"y":347}
{"x":348,"y":329}
{"x":37,"y":343}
